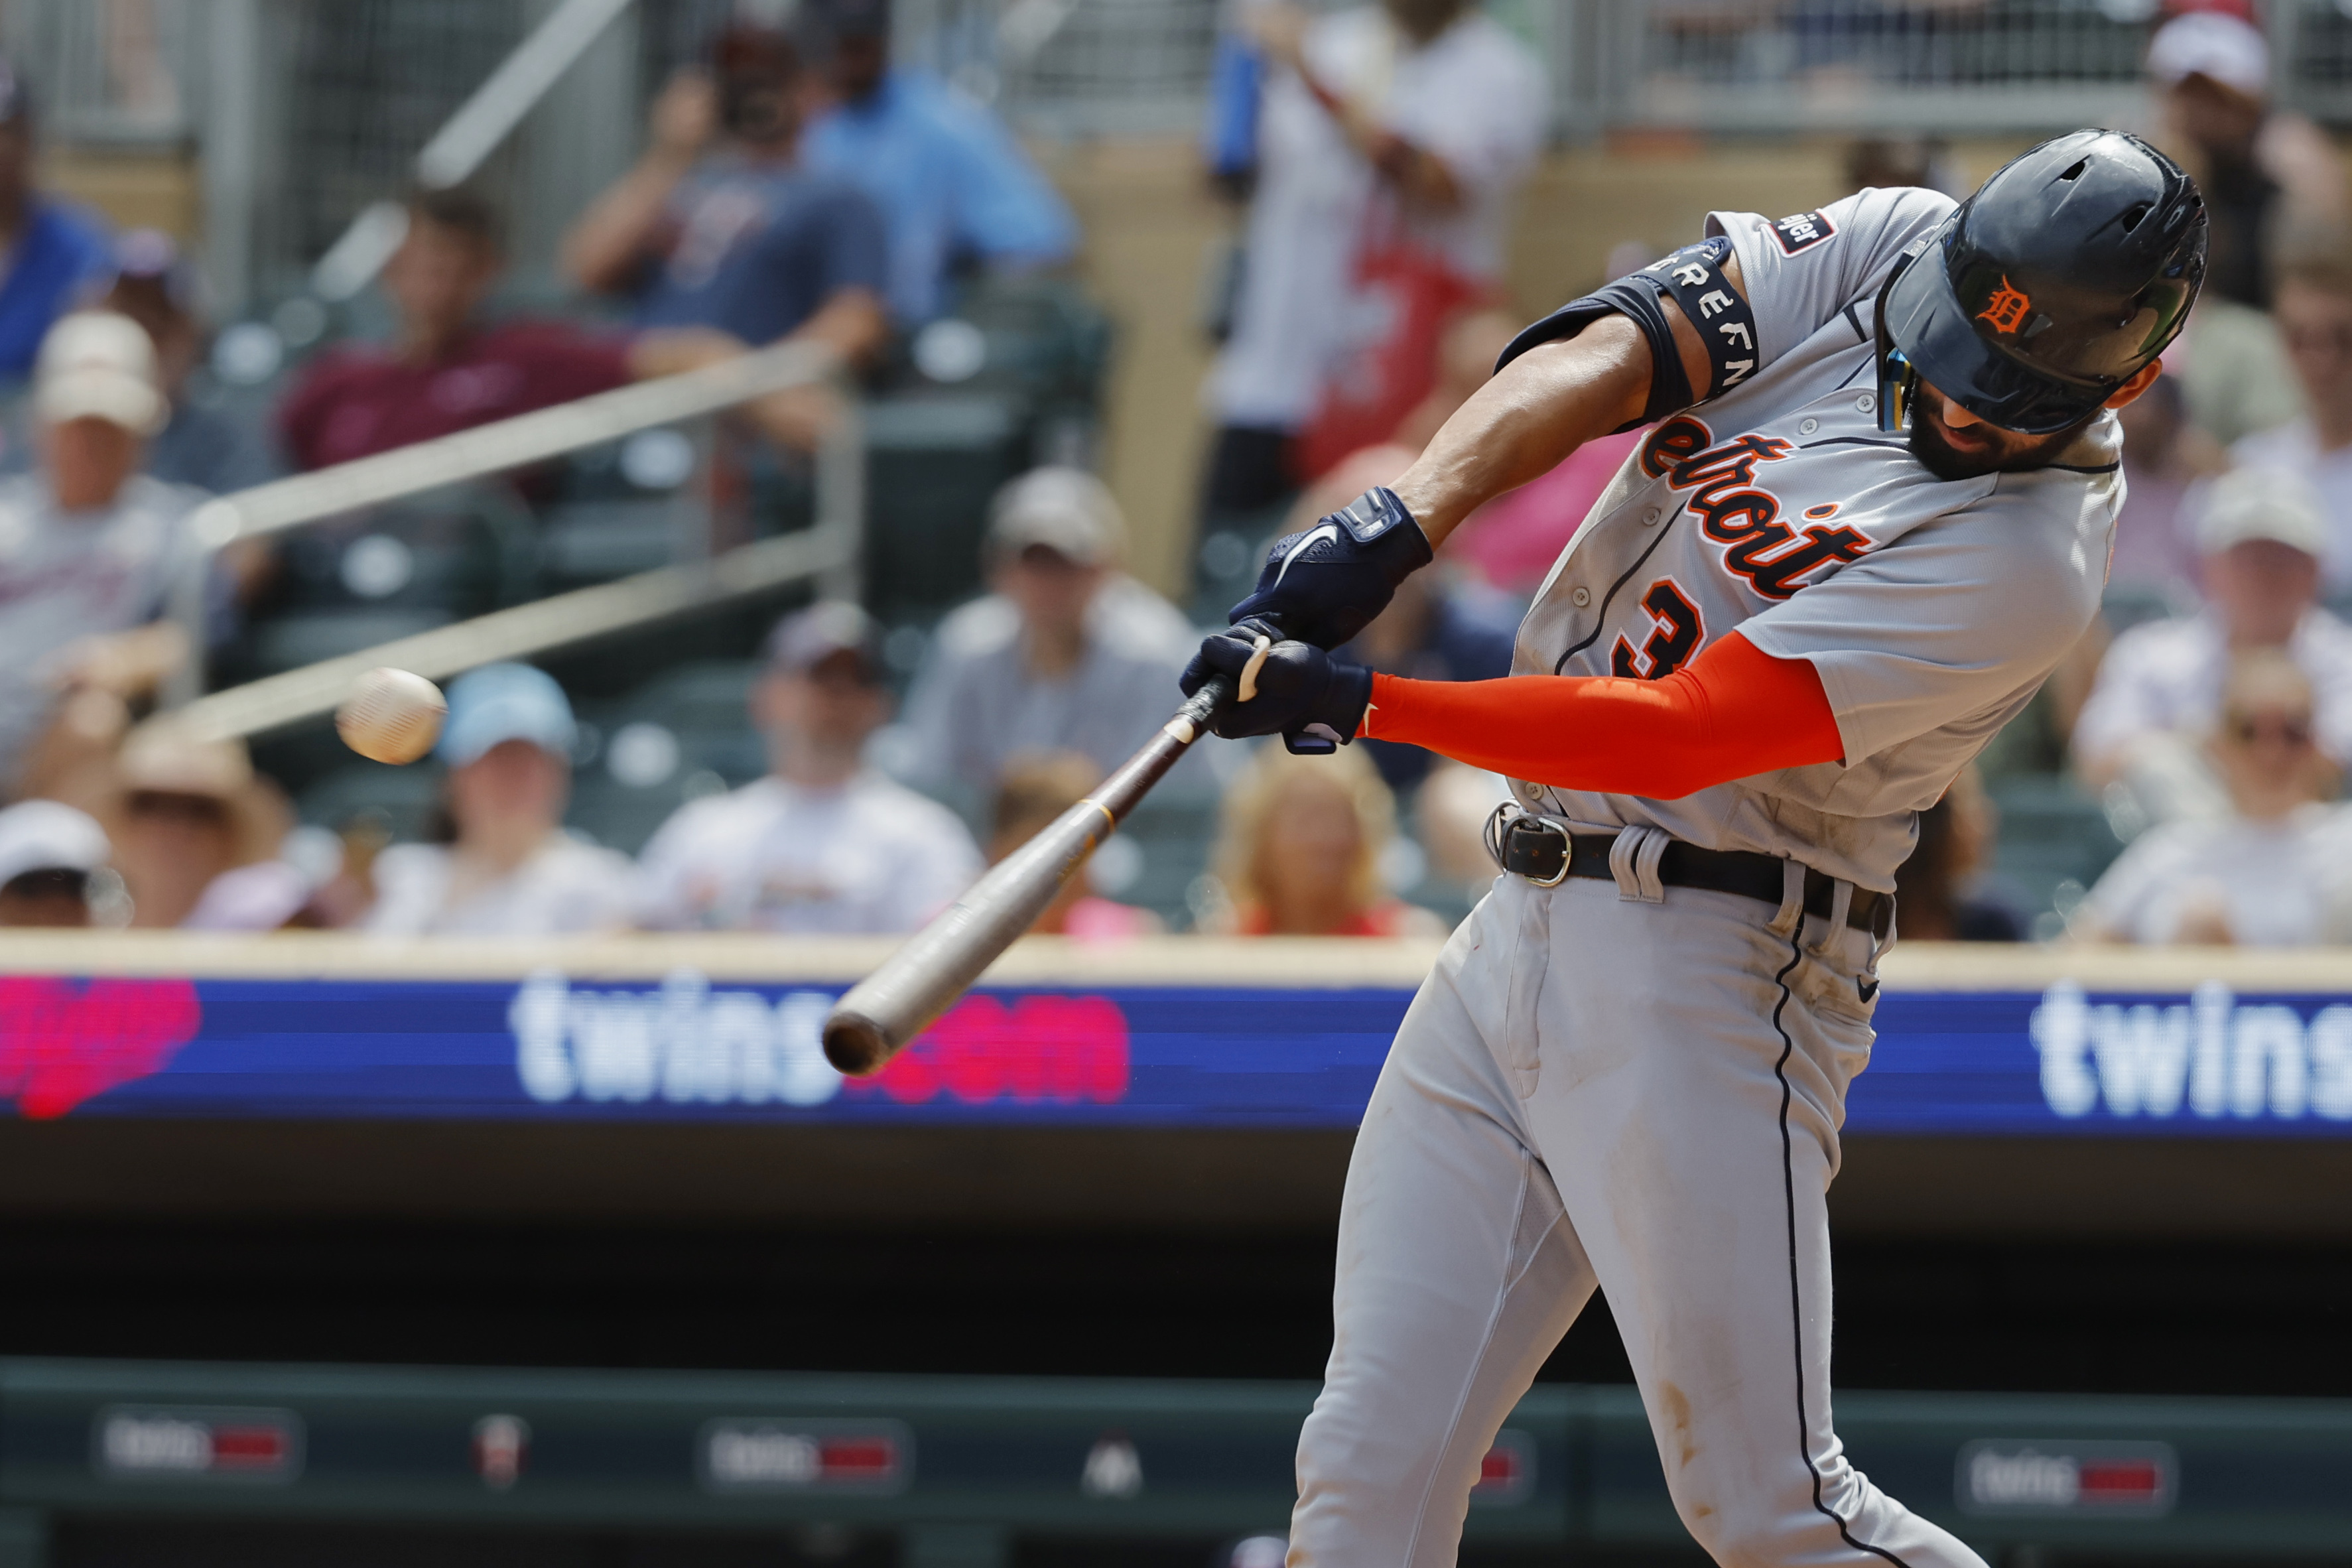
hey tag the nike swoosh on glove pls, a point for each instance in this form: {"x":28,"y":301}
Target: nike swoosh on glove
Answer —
{"x":1325,"y":584}
{"x":1309,"y":699}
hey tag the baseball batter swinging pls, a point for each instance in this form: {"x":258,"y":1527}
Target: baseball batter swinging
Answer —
{"x":1874,"y":512}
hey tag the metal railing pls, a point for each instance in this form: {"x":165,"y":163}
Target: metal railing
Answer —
{"x":1959,"y":68}
{"x":467,"y":139}
{"x":1777,"y":66}
{"x":828,"y":552}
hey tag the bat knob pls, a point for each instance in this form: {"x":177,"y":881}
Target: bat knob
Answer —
{"x":854,"y":1044}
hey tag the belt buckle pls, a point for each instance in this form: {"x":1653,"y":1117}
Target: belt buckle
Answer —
{"x":1542,"y":828}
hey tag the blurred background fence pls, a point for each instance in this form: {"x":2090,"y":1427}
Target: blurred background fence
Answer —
{"x":306,"y":110}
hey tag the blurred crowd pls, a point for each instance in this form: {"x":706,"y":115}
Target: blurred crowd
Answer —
{"x":797,"y":186}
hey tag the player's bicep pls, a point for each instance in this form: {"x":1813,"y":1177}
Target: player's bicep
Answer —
{"x":1697,"y":353}
{"x":1691,"y":311}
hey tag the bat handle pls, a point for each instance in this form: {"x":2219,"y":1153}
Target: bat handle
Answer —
{"x":1201,"y":708}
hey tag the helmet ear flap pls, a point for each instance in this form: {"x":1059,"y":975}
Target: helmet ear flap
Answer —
{"x":1898,"y":383}
{"x":1898,"y":378}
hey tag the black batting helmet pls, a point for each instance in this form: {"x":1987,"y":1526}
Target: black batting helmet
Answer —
{"x":2065,"y":273}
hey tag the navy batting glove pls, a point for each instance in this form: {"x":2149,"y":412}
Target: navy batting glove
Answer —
{"x":1313,"y":701}
{"x":1325,"y":584}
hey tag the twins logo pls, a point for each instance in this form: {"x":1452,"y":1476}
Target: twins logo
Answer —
{"x":1734,"y":511}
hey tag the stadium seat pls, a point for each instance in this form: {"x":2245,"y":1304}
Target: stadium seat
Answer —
{"x":1175,"y":839}
{"x":2130,"y":604}
{"x":2055,"y":840}
{"x":933,"y":462}
{"x":597,"y":540}
{"x":346,"y":586}
{"x":683,"y":734}
{"x":408,"y":797}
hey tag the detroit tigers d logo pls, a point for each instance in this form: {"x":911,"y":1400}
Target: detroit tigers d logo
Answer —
{"x":2005,"y":311}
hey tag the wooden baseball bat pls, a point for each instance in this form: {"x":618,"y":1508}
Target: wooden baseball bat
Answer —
{"x":915,"y":985}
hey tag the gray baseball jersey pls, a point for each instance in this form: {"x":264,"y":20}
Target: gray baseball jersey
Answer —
{"x":65,"y":576}
{"x":1933,"y":609}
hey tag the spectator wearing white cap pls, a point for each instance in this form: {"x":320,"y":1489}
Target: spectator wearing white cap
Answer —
{"x":2314,"y":315}
{"x":1066,"y":653}
{"x":48,"y":854}
{"x":824,"y":844}
{"x":2264,"y":172}
{"x":89,"y":546}
{"x":2158,"y":690}
{"x":510,"y":868}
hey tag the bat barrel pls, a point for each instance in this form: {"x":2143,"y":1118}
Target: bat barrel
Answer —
{"x":915,"y":985}
{"x":854,"y":1043}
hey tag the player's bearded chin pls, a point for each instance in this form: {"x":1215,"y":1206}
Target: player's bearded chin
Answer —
{"x":1982,"y":449}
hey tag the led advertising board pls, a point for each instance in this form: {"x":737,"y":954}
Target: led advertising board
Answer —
{"x":2062,"y":1060}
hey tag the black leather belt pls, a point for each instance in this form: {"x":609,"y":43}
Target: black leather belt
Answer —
{"x":1547,"y":855}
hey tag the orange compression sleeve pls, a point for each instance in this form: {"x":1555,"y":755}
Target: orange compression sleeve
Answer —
{"x":1731,"y":712}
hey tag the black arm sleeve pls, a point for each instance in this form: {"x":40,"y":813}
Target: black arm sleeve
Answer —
{"x":1695,"y":277}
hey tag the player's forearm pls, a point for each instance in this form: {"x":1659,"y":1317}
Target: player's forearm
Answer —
{"x":1521,"y":424}
{"x":671,"y":350}
{"x":1734,"y":712}
{"x":606,"y":245}
{"x":852,"y":323}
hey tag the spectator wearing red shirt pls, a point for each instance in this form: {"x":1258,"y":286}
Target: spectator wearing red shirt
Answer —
{"x":447,"y":371}
{"x":1301,"y":850}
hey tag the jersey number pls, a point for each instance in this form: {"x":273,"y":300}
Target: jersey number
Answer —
{"x":1671,"y":642}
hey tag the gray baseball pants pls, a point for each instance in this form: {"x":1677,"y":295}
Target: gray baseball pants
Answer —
{"x":1595,"y":1089}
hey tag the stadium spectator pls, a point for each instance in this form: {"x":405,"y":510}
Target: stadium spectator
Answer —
{"x":1513,"y":540}
{"x":2314,"y":318}
{"x":155,"y":287}
{"x":1391,"y":141}
{"x":953,"y":185}
{"x":1301,"y":846}
{"x":447,"y":370}
{"x":2235,"y":375}
{"x":1466,"y":353}
{"x":720,"y":225}
{"x":1940,"y":892}
{"x":73,"y":760}
{"x":1450,"y":811}
{"x":1888,"y":162}
{"x":1065,"y":653}
{"x":2267,"y":174}
{"x":89,"y":546}
{"x":2257,"y":875}
{"x":48,"y":852}
{"x":824,"y":844}
{"x":2164,"y":455}
{"x":509,"y":868}
{"x":55,"y":251}
{"x":1035,"y":791}
{"x":2158,"y":690}
{"x":191,"y":822}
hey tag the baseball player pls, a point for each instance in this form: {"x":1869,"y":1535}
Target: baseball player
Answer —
{"x":1873,"y":512}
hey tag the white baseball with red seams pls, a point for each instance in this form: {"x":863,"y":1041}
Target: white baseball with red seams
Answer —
{"x":392,"y":716}
{"x":1638,"y":1087}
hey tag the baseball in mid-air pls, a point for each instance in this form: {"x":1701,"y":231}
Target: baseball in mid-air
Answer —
{"x":392,"y":716}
